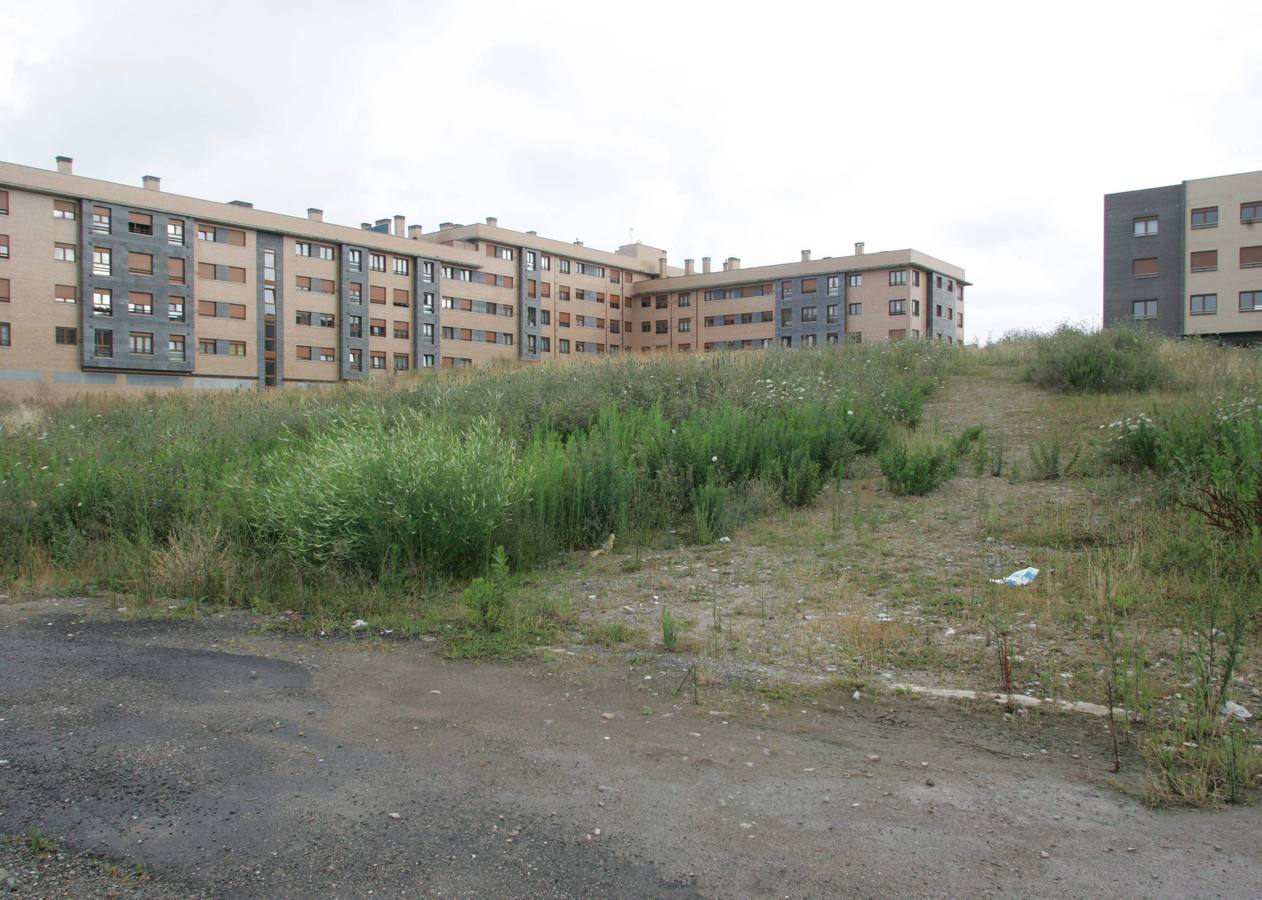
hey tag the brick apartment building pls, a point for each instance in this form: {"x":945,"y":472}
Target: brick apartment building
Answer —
{"x":106,"y":286}
{"x":1186,"y":258}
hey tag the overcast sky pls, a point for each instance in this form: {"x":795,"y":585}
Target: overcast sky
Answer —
{"x":984,"y":134}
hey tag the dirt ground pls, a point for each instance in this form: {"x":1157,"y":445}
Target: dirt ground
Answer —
{"x":229,"y":762}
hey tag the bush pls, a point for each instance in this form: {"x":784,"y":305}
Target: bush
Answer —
{"x":917,"y":470}
{"x":1078,"y":361}
{"x":487,"y":596}
{"x":671,"y":630}
{"x":373,"y":496}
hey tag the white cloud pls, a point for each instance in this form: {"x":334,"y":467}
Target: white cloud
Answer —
{"x":982,"y":133}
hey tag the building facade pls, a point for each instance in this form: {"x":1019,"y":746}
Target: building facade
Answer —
{"x":106,"y":286}
{"x":1186,"y":259}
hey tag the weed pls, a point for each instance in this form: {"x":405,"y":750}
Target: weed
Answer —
{"x":37,"y":842}
{"x":487,"y":596}
{"x":1076,"y":360}
{"x":917,"y":470}
{"x":1047,"y":459}
{"x":671,"y":630}
{"x":611,"y":634}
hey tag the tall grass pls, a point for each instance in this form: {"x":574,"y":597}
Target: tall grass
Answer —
{"x":1079,"y":360}
{"x":251,"y":496}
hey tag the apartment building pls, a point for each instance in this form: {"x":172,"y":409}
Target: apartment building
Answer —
{"x":105,"y":286}
{"x":1186,"y":259}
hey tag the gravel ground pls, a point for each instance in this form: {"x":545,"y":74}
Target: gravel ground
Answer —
{"x":231,"y":763}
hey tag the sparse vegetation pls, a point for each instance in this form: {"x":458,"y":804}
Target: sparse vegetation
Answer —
{"x":1082,"y":361}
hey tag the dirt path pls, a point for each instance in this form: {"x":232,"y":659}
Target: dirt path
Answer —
{"x":235,"y":764}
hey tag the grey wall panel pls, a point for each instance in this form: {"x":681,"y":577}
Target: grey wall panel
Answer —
{"x":1121,"y":247}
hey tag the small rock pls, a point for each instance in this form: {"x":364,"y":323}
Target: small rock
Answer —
{"x":929,"y":782}
{"x":1043,"y":854}
{"x":607,"y":716}
{"x":394,"y":816}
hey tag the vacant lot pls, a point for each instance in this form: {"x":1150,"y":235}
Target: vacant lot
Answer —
{"x":723,"y":691}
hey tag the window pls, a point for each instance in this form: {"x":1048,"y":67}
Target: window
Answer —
{"x":937,"y":310}
{"x":834,"y":285}
{"x":1205,"y":217}
{"x":427,"y":332}
{"x":61,"y":252}
{"x":563,"y":345}
{"x":356,"y":326}
{"x":1250,"y":301}
{"x":377,"y":327}
{"x":1204,"y":260}
{"x":898,"y":307}
{"x":139,"y":304}
{"x":402,"y":266}
{"x":139,"y":223}
{"x":327,"y":320}
{"x":377,"y":262}
{"x":683,"y":300}
{"x":449,"y":302}
{"x":327,"y":354}
{"x":938,"y":281}
{"x":62,"y":293}
{"x":545,"y":345}
{"x":1251,"y":211}
{"x":302,"y":317}
{"x":377,"y":359}
{"x":855,"y":280}
{"x":427,"y":302}
{"x":356,"y":292}
{"x":786,"y":288}
{"x":401,"y":330}
{"x":662,"y":326}
{"x":897,"y":278}
{"x":355,"y":260}
{"x":175,"y":232}
{"x":140,"y":343}
{"x":1250,"y":257}
{"x":356,"y":358}
{"x":854,"y":309}
{"x":4,"y":290}
{"x":685,"y":325}
{"x":175,"y":309}
{"x":205,"y":345}
{"x":427,"y":361}
{"x":661,"y":301}
{"x":810,"y":314}
{"x":400,"y":362}
{"x":175,"y":347}
{"x":175,"y":270}
{"x":139,"y":263}
{"x":915,"y":308}
{"x":376,"y":293}
{"x":103,"y":344}
{"x":101,"y":219}
{"x":1204,"y":304}
{"x":302,"y":248}
{"x":1144,"y":268}
{"x":68,"y":337}
{"x":898,"y":334}
{"x":786,"y":317}
{"x":4,"y":203}
{"x":1143,"y":309}
{"x":832,"y":314}
{"x":4,"y":246}
{"x":103,"y":302}
{"x":402,"y":297}
{"x":63,"y":209}
{"x":1145,"y":225}
{"x":503,"y":253}
{"x":808,"y":285}
{"x":532,"y":260}
{"x":563,"y":266}
{"x":427,"y":271}
{"x":545,"y":317}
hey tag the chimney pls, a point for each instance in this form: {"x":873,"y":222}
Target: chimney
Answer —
{"x":400,"y":226}
{"x":806,"y":256}
{"x":151,"y":183}
{"x":661,"y":267}
{"x":689,"y":266}
{"x":443,"y":226}
{"x":578,"y":243}
{"x":382,"y":225}
{"x":367,"y":226}
{"x":705,"y":265}
{"x":245,"y":203}
{"x":492,"y":221}
{"x":65,"y":165}
{"x":733,"y":263}
{"x":858,"y":248}
{"x":533,"y":233}
{"x":414,"y":232}
{"x":315,"y":215}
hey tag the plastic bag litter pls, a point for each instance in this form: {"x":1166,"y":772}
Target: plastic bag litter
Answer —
{"x":1019,"y":578}
{"x":1233,"y":710}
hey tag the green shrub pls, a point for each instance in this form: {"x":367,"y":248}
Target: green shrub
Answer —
{"x":672,"y":628}
{"x":1075,"y":360}
{"x":374,"y":494}
{"x":709,"y":504}
{"x":917,"y":470}
{"x":487,"y":596}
